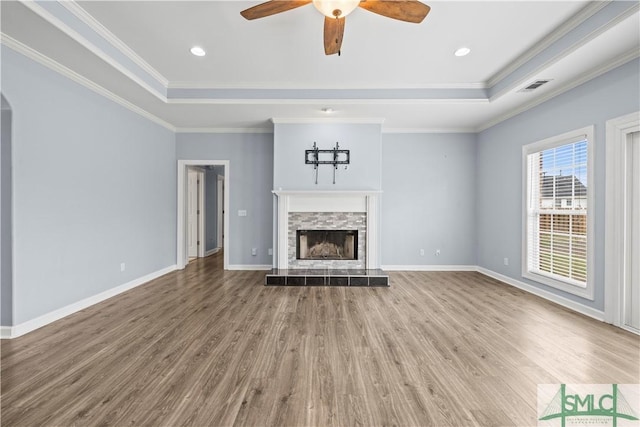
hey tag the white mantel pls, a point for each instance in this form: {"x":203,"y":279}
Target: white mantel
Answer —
{"x":328,"y":201}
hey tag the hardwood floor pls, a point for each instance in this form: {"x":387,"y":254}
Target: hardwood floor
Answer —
{"x":203,"y":347}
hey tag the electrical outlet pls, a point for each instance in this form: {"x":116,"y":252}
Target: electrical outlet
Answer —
{"x":254,"y":251}
{"x":421,"y":252}
{"x":122,"y":266}
{"x":437,"y":252}
{"x":242,"y":212}
{"x":506,"y":261}
{"x":270,"y":251}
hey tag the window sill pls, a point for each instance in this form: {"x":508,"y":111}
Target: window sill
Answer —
{"x":583,"y":292}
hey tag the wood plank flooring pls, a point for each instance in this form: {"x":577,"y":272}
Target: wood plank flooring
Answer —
{"x":203,"y":347}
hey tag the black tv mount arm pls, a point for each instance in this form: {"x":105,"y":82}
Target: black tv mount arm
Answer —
{"x":338,"y":157}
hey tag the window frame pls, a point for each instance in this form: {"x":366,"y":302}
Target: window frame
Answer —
{"x":567,"y":285}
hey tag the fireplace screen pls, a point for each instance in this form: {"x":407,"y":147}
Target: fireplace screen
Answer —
{"x":327,"y":244}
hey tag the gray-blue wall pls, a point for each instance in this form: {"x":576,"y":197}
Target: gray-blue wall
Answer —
{"x":94,"y":185}
{"x":251,"y":176}
{"x":290,"y":171}
{"x":6,"y":286}
{"x":499,"y":178}
{"x":291,"y":141}
{"x":428,"y":199}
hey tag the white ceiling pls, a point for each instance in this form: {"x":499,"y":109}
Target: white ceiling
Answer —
{"x":286,"y":50}
{"x":404,"y":74}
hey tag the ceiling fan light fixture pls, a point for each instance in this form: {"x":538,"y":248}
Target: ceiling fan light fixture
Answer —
{"x":198,"y":51}
{"x":463,"y":51}
{"x":336,"y":8}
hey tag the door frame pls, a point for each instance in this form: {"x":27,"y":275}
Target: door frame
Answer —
{"x":617,"y":132}
{"x":220,"y":190}
{"x":200,"y":208}
{"x":181,"y":202}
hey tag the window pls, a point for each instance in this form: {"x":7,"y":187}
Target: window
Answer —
{"x":558,"y":212}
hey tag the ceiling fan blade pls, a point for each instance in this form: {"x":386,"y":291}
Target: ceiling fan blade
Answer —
{"x":403,"y":10}
{"x":271,"y":8}
{"x":333,"y":32}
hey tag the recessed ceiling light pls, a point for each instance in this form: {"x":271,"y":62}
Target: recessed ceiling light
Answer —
{"x":463,"y":51}
{"x":198,"y":51}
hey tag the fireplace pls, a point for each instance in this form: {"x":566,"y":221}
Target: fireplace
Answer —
{"x":346,"y":211}
{"x":327,"y":244}
{"x":329,"y":240}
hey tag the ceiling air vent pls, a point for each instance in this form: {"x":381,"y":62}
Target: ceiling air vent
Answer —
{"x":534,"y":85}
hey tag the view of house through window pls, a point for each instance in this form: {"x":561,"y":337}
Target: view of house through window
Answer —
{"x":557,"y":210}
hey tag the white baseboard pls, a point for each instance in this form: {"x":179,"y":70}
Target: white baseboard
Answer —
{"x":23,"y":328}
{"x":429,"y":267}
{"x":45,"y":319}
{"x":572,"y":305}
{"x":250,"y":267}
{"x":211,"y":252}
{"x":5,"y":332}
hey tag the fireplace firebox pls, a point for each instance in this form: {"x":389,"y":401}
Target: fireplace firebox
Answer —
{"x":327,"y":244}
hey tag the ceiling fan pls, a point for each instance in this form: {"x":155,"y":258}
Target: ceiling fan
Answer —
{"x":335,"y":12}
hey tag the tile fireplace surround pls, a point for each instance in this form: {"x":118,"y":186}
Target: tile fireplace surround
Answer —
{"x":350,"y":209}
{"x":327,"y":221}
{"x":352,"y":203}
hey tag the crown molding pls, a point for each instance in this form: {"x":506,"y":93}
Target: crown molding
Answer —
{"x":327,"y":120}
{"x":21,"y":48}
{"x":561,"y":31}
{"x":103,"y":32}
{"x":575,"y":46}
{"x":267,"y":131}
{"x":581,"y":79}
{"x":323,"y":101}
{"x":224,"y":130}
{"x":588,"y":11}
{"x":272,"y":86}
{"x":386,"y":130}
{"x":38,"y":57}
{"x":56,"y":22}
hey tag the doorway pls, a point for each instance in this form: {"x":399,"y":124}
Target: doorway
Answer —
{"x":182,"y":250}
{"x":622,"y":223}
{"x":195,"y":213}
{"x":214,"y":202}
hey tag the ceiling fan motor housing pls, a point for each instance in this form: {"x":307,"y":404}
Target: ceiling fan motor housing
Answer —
{"x":335,"y":8}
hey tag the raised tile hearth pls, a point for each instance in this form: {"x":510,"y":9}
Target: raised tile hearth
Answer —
{"x":327,"y":277}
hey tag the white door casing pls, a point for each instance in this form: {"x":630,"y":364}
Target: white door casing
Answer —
{"x":631,"y":295}
{"x":619,"y":231}
{"x":220,"y":218}
{"x":201,"y":213}
{"x":192,"y":214}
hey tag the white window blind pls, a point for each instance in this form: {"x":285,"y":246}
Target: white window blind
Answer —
{"x":557,"y":189}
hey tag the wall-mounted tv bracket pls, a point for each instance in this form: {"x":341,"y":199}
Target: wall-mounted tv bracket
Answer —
{"x":334,"y":157}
